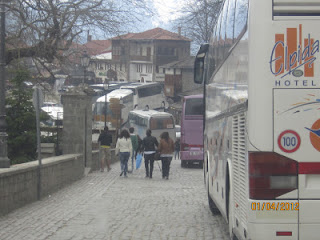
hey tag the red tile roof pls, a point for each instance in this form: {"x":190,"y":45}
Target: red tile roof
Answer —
{"x":96,"y":47}
{"x":153,"y":34}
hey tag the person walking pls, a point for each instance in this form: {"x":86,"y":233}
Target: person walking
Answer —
{"x":149,"y":144}
{"x":124,"y":150}
{"x":166,"y":148}
{"x":105,"y":141}
{"x":135,"y":146}
{"x":177,"y":149}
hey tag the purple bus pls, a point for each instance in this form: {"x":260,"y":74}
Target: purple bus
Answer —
{"x":191,"y":142}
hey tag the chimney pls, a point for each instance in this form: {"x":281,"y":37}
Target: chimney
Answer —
{"x":179,"y":31}
{"x":89,"y":37}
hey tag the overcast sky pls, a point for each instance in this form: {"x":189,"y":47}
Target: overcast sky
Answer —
{"x":167,"y":10}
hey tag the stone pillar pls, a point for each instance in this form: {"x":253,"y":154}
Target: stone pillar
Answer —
{"x":77,"y":123}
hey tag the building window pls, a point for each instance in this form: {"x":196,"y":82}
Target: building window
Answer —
{"x":99,"y":66}
{"x":149,"y":68}
{"x":166,"y":51}
{"x":139,"y":68}
{"x":163,"y":70}
{"x":116,"y":50}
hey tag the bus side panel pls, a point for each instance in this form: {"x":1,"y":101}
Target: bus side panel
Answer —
{"x":226,"y":90}
{"x":267,"y":231}
{"x":218,"y":135}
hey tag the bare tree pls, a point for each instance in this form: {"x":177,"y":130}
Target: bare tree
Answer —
{"x":45,"y":29}
{"x":198,"y":19}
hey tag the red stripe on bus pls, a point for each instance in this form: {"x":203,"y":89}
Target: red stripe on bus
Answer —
{"x":309,"y":168}
{"x":292,"y":45}
{"x":300,"y":39}
{"x":279,"y":54}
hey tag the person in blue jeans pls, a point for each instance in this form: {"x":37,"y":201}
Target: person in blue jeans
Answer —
{"x":124,"y":149}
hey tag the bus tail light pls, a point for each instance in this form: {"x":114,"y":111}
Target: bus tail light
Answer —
{"x":283,"y":234}
{"x":271,"y":175}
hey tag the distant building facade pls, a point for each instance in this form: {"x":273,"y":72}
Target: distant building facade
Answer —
{"x":137,"y":57}
{"x":179,"y":77}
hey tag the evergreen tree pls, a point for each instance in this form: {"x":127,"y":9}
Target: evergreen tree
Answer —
{"x":21,"y":120}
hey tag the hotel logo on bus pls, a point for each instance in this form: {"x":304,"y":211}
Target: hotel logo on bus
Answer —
{"x":293,"y":56}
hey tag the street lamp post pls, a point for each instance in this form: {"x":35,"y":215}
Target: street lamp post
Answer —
{"x":4,"y":160}
{"x":85,"y":60}
{"x":106,"y":87}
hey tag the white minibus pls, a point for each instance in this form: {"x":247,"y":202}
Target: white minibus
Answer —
{"x":157,"y":122}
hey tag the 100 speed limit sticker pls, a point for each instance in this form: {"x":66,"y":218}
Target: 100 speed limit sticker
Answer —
{"x":289,"y":141}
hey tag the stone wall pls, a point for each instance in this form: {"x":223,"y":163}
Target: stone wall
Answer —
{"x":19,"y":183}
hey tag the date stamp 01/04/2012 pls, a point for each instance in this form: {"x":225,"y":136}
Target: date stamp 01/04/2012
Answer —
{"x":274,"y":206}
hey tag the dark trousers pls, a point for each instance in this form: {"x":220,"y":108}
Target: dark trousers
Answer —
{"x":176,"y":153}
{"x":149,"y":158}
{"x":165,"y":166}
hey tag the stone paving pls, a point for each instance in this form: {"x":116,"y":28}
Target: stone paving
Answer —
{"x":107,"y":206}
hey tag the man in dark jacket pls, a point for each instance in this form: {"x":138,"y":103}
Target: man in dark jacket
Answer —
{"x":149,"y":144}
{"x":105,"y":140}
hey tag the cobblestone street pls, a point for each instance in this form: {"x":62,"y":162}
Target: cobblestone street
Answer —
{"x":106,"y":206}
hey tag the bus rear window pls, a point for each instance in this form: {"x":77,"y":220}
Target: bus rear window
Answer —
{"x":194,"y":106}
{"x":161,"y":123}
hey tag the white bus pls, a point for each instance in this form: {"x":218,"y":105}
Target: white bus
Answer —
{"x":147,"y":94}
{"x":113,"y":118}
{"x":55,"y":113}
{"x":261,"y":77}
{"x":157,"y":122}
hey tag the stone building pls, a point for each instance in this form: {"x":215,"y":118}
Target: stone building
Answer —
{"x":137,"y":57}
{"x":179,"y":77}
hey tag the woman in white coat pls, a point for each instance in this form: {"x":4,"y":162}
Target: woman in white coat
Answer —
{"x":124,"y":149}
